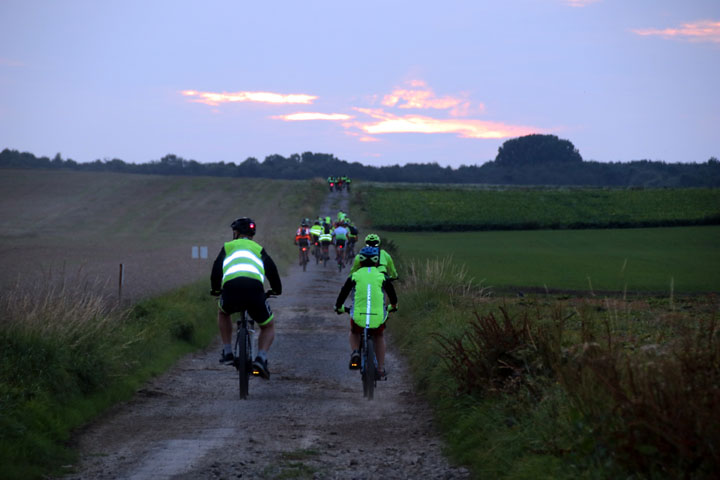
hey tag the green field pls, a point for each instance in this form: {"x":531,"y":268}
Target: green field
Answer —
{"x":684,"y":259}
{"x":418,"y":208}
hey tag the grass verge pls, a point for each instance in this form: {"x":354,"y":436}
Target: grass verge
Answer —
{"x":65,"y":357}
{"x":564,"y":387}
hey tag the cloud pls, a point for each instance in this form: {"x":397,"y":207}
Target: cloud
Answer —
{"x":8,"y":62}
{"x":303,"y":116}
{"x":700,"y":31}
{"x":215,"y":99}
{"x":441,"y":115}
{"x":580,"y":3}
{"x":467,"y":128}
{"x":422,"y":97}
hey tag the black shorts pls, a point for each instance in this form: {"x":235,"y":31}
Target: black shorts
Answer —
{"x":245,"y":294}
{"x":340,"y":243}
{"x":303,"y":242}
{"x":325,"y":243}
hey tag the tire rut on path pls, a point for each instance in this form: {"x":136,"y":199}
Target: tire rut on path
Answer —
{"x":309,"y":420}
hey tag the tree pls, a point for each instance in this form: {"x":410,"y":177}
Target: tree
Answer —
{"x":537,"y":149}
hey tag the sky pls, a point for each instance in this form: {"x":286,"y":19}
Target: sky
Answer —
{"x":380,"y":82}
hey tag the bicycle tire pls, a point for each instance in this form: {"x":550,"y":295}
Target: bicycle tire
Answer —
{"x":370,"y":370}
{"x":243,"y":340}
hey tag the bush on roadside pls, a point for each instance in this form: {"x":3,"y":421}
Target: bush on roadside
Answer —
{"x":563,"y":388}
{"x":66,"y":355}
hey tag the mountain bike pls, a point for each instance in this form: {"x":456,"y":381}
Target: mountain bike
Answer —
{"x":340,"y":254}
{"x":369,"y":373}
{"x":325,"y":254}
{"x":316,"y":252}
{"x":304,"y":258}
{"x":243,"y":350}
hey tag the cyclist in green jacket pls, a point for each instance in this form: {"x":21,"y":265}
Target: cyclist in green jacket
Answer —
{"x":386,"y":266}
{"x":369,"y":307}
{"x":238,"y":276}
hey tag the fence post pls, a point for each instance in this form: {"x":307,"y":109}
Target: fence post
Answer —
{"x":120,"y":283}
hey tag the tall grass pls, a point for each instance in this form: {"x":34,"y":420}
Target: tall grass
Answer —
{"x":66,"y":354}
{"x":548,"y":387}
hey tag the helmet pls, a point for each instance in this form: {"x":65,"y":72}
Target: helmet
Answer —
{"x":244,"y":226}
{"x":372,"y":240}
{"x":369,"y":255}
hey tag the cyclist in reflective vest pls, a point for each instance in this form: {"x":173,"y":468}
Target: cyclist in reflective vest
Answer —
{"x":315,"y":231}
{"x":325,"y":238}
{"x":368,"y":308}
{"x":387,"y":265}
{"x":238,"y":277}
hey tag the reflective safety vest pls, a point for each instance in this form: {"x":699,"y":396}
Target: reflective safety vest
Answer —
{"x":369,"y":302}
{"x":243,"y":259}
{"x":325,"y":237}
{"x":316,"y":230}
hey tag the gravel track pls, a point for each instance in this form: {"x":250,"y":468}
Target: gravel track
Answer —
{"x":309,"y":420}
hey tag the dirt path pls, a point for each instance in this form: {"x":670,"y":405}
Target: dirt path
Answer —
{"x":308,"y":421}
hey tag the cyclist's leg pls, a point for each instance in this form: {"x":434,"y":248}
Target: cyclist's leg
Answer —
{"x":267,"y":335}
{"x":225,"y":327}
{"x":380,"y":349}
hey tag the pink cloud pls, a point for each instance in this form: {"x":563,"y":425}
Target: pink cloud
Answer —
{"x":700,"y":31}
{"x":420,"y":96}
{"x":215,"y":98}
{"x":7,"y":62}
{"x":580,"y":3}
{"x":466,"y":128}
{"x":305,"y":116}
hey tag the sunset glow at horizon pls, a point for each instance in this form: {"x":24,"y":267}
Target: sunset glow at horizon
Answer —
{"x":465,"y":128}
{"x":382,"y":82}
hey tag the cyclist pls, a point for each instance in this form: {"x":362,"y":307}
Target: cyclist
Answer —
{"x":368,"y":303}
{"x":387,"y":266}
{"x":315,"y":232}
{"x":325,"y":239}
{"x":340,"y":238}
{"x":302,"y":239}
{"x":352,"y":236}
{"x":331,"y":182}
{"x":237,"y":277}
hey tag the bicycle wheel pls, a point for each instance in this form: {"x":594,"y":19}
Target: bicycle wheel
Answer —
{"x":370,"y":370}
{"x":243,"y":360}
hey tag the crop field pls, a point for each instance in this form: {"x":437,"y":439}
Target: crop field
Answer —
{"x":417,"y":208}
{"x":80,"y":226}
{"x":662,"y":260}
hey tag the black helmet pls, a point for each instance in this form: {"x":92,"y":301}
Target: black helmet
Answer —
{"x":244,"y":226}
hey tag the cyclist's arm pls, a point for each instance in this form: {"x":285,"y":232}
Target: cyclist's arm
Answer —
{"x":390,"y":266}
{"x":390,"y":290}
{"x":356,"y":265}
{"x":217,"y":271}
{"x":271,"y":273}
{"x":344,"y":292}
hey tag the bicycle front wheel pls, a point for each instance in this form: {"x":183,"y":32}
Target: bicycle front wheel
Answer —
{"x":243,"y":361}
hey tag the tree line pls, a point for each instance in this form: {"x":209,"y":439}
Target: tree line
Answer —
{"x":529,"y":160}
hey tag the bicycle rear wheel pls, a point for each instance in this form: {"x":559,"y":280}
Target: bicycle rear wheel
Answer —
{"x":243,"y":361}
{"x":370,"y":370}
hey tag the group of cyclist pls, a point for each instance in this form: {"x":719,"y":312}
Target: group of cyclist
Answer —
{"x":341,"y":233}
{"x":242,"y":266}
{"x":337,"y":183}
